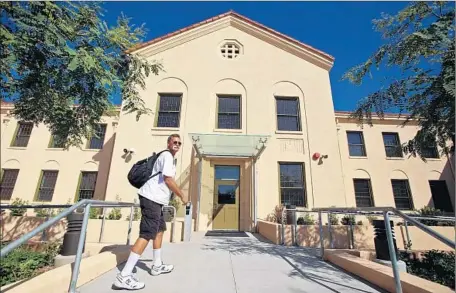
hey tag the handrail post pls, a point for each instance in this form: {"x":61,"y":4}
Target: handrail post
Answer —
{"x":295,"y":223}
{"x":173,"y":223}
{"x":103,"y":219}
{"x":77,"y":261}
{"x":329,"y":231}
{"x":392,"y":252}
{"x":43,"y":235}
{"x":283,"y":226}
{"x":352,"y":236}
{"x":322,"y":245}
{"x":129,"y":225}
{"x":407,"y":235}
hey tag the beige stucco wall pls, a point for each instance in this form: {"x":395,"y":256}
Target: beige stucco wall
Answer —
{"x":206,"y":74}
{"x":37,"y":156}
{"x":381,"y":169}
{"x":195,"y":68}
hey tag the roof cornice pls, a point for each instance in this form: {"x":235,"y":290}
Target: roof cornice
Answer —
{"x":242,"y":23}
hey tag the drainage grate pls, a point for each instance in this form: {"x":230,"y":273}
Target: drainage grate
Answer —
{"x":226,"y":234}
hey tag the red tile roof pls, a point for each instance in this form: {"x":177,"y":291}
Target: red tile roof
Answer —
{"x":241,"y":17}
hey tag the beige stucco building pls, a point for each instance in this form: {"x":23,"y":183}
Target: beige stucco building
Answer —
{"x":255,"y":113}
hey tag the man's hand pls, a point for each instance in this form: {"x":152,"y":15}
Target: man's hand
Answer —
{"x":184,"y":199}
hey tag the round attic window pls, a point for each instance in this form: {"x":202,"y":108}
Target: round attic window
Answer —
{"x":230,"y":50}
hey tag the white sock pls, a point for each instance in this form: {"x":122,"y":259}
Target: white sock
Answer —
{"x":157,"y":257}
{"x":130,"y":265}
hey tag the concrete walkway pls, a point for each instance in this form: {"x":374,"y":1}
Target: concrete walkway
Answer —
{"x":237,"y":265}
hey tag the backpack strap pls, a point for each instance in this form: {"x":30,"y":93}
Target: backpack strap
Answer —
{"x":158,"y":155}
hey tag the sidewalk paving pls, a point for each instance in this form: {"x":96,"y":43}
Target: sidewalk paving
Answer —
{"x":237,"y":265}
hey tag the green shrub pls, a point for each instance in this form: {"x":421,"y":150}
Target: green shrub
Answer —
{"x":276,"y":215}
{"x":436,"y":266}
{"x":347,"y":220}
{"x":432,"y":212}
{"x":115,"y":214}
{"x":334,"y":219}
{"x":23,"y":263}
{"x":18,"y":212}
{"x":43,"y":213}
{"x":306,"y":220}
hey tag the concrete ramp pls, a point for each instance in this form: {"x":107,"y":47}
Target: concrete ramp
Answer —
{"x":237,"y":265}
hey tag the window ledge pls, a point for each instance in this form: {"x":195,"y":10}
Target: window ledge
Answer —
{"x":227,"y":130}
{"x":17,"y":148}
{"x":54,"y":149}
{"x":165,"y":129}
{"x":92,"y":150}
{"x":395,"y":158}
{"x":358,"y":157}
{"x":433,"y":159}
{"x":289,"y":132}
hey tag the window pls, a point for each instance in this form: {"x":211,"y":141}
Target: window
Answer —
{"x":356,"y":146}
{"x":392,"y":145}
{"x":363,"y":193}
{"x":229,"y":112}
{"x":230,"y":50}
{"x":97,"y":139}
{"x":169,"y":110}
{"x":441,"y":195}
{"x":430,"y":151}
{"x":87,"y":185}
{"x":23,"y":133}
{"x":292,"y":191}
{"x":288,"y":118}
{"x":9,"y":177}
{"x":56,"y":142}
{"x":402,"y":194}
{"x":47,"y":185}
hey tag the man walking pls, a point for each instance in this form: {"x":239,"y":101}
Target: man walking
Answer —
{"x":153,"y":195}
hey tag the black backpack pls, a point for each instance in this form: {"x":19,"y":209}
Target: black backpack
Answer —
{"x":141,"y":171}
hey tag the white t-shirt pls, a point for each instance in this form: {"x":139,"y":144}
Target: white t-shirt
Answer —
{"x":156,"y":189}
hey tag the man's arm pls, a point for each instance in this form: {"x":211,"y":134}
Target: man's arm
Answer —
{"x":174,"y":188}
{"x":168,"y":175}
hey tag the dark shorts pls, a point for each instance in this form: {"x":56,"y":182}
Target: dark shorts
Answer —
{"x":152,"y":220}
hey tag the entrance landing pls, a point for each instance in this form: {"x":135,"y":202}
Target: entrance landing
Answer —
{"x":237,"y":265}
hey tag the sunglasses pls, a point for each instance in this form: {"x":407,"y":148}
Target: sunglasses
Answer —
{"x":177,"y":143}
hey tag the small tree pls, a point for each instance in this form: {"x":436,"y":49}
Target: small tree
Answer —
{"x":61,"y":65}
{"x":420,"y":43}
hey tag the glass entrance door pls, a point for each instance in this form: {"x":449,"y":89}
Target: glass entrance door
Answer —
{"x":226,"y":198}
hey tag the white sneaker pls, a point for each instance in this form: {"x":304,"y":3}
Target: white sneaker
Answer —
{"x":163,"y":269}
{"x":130,"y":282}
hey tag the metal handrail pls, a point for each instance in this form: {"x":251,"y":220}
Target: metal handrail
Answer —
{"x":87,"y":204}
{"x":386,"y":211}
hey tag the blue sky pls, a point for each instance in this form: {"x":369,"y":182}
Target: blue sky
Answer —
{"x":341,"y":29}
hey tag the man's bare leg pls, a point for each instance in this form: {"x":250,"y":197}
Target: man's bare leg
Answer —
{"x":139,"y":246}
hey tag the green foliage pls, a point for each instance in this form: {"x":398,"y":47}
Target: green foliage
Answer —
{"x":277,"y":215}
{"x":19,"y":212}
{"x":432,"y":212}
{"x":23,"y":263}
{"x":348,"y":219}
{"x":115,"y":214}
{"x":175,"y":203}
{"x":95,"y":213}
{"x":61,"y":64}
{"x":420,"y":42}
{"x":436,"y":266}
{"x":306,"y":220}
{"x":43,"y":213}
{"x":334,"y":219}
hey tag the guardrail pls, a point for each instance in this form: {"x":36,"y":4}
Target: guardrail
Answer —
{"x":377,"y":211}
{"x":86,"y":204}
